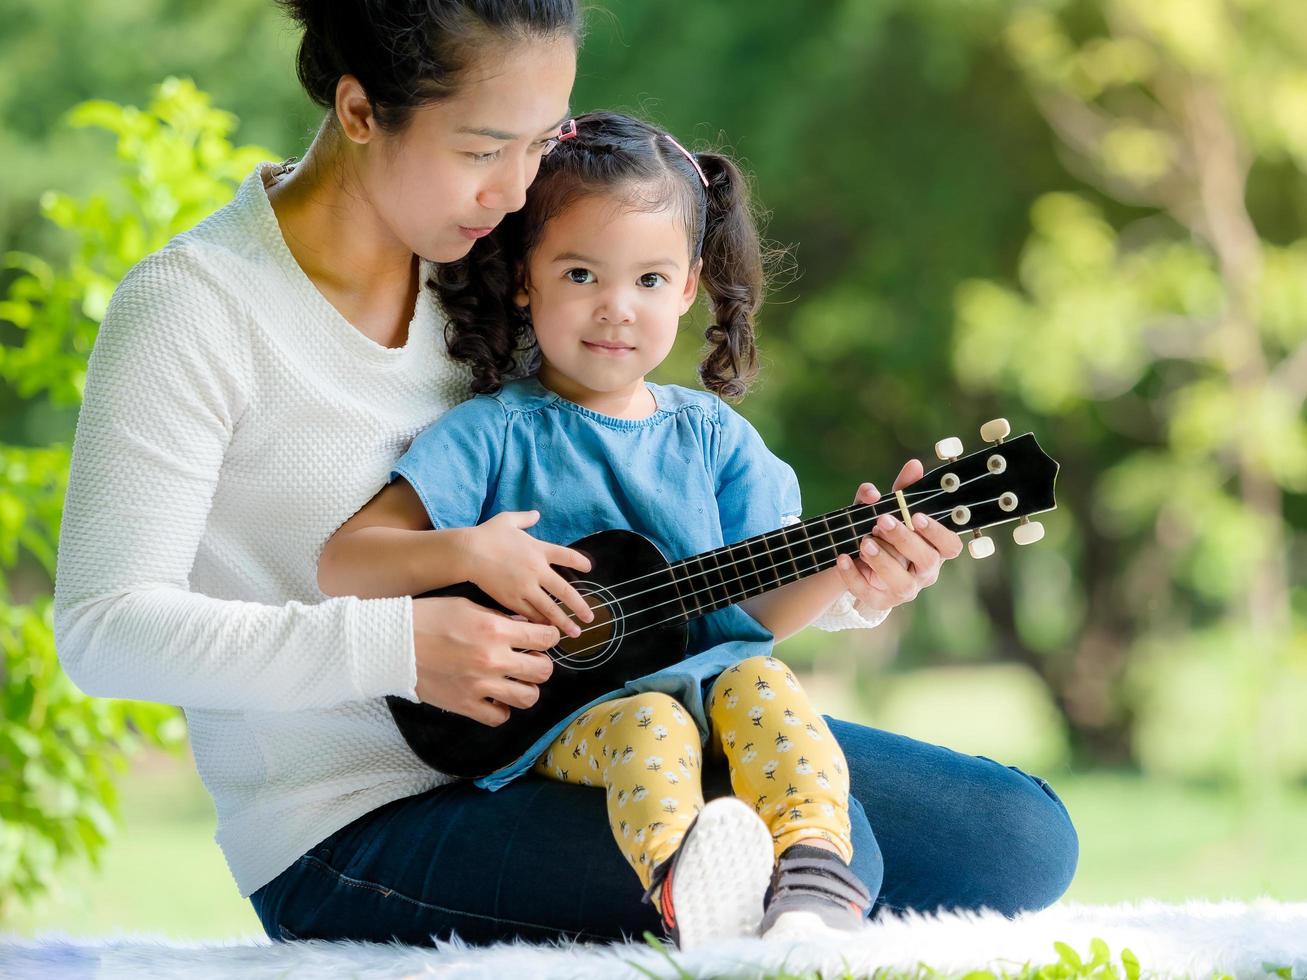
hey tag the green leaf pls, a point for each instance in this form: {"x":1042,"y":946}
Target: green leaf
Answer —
{"x":1068,"y":956}
{"x":1100,"y":953}
{"x":1131,"y":964}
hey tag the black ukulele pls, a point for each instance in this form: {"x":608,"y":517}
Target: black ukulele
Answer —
{"x":643,"y":603}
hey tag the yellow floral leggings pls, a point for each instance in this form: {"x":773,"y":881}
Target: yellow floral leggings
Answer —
{"x":646,"y":751}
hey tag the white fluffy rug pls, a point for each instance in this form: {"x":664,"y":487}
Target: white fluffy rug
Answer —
{"x":1199,"y":940}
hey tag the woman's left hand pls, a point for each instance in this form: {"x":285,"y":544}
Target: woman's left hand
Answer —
{"x":895,"y":562}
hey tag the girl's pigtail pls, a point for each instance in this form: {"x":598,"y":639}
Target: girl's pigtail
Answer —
{"x":732,"y":275}
{"x":486,"y":329}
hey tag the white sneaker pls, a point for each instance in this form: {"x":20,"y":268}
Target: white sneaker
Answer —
{"x":716,"y":880}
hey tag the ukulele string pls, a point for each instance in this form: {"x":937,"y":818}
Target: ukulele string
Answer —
{"x":793,"y":577}
{"x":890,"y":506}
{"x":772,"y":536}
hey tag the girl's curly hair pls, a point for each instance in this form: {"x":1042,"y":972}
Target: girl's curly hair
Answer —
{"x":613,"y":153}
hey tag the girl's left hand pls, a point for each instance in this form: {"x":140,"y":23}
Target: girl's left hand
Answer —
{"x":896,"y":562}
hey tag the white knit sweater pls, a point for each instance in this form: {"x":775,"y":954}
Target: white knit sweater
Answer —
{"x":232,"y":420}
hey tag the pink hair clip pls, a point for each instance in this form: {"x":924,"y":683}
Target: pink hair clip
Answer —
{"x":566,"y":131}
{"x":689,"y":156}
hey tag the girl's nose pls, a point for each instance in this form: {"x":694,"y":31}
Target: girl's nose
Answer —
{"x":615,"y":309}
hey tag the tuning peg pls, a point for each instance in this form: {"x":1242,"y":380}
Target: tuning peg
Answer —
{"x":980,"y":546}
{"x":995,"y":430}
{"x":1028,"y":531}
{"x":948,"y":449}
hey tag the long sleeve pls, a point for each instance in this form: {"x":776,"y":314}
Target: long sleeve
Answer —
{"x":845,"y":615}
{"x":165,"y":390}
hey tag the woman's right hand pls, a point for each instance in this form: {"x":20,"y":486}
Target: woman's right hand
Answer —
{"x":517,"y":570}
{"x":477,"y":662}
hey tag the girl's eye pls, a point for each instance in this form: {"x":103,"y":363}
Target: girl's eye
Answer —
{"x":652,"y":280}
{"x":580,"y":276}
{"x":484,"y":157}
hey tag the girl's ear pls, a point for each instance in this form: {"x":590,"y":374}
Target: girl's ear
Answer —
{"x":691,"y":286}
{"x":521,"y":298}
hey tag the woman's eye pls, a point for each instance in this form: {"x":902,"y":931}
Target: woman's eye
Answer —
{"x":580,"y":276}
{"x":652,"y":280}
{"x":484,"y":157}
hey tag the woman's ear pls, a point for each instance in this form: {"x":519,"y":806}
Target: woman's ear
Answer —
{"x":691,"y":286}
{"x":354,"y":111}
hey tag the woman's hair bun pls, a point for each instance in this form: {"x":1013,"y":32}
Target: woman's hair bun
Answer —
{"x":409,"y":53}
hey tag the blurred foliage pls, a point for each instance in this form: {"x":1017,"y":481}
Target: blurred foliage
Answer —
{"x":1002,"y":711}
{"x":1087,"y":215}
{"x":1187,"y":329}
{"x":59,"y":749}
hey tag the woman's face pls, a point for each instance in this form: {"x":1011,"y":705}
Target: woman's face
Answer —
{"x":460,"y":165}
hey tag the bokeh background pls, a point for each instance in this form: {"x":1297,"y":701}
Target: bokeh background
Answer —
{"x":1088,"y":216}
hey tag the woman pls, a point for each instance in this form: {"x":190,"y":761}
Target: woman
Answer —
{"x":252,"y":385}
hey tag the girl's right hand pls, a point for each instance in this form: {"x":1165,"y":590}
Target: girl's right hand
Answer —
{"x":477,"y":662}
{"x":515,"y":570}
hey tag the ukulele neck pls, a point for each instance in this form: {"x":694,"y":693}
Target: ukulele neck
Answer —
{"x":728,"y":575}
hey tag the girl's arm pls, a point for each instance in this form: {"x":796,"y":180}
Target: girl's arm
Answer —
{"x":389,"y":548}
{"x":792,"y":607}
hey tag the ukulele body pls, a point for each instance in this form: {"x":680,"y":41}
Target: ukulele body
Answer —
{"x":640,"y":627}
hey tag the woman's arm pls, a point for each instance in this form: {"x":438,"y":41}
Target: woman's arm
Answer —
{"x":165,"y":388}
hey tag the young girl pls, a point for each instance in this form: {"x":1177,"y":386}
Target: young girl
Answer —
{"x":584,"y":288}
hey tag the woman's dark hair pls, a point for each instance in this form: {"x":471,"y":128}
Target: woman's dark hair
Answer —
{"x":613,"y":154}
{"x":410,"y":53}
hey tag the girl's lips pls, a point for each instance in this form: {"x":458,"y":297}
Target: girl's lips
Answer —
{"x":475,"y":232}
{"x":614,"y":350}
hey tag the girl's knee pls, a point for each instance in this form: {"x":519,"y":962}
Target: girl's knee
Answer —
{"x":763,"y":665}
{"x":754,"y":667}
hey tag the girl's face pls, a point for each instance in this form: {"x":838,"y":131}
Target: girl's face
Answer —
{"x":460,"y":165}
{"x":606,"y":285}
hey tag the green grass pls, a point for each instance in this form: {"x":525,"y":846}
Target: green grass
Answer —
{"x":1097,"y":964}
{"x":1143,"y":838}
{"x":1138,"y":839}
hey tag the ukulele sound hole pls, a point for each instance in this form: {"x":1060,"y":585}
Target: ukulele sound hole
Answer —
{"x":599,"y":638}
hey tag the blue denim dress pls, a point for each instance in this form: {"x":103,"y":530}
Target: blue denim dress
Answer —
{"x":693,"y":476}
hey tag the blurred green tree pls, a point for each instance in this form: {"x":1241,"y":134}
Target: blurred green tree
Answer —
{"x":1183,"y":324}
{"x":59,"y":749}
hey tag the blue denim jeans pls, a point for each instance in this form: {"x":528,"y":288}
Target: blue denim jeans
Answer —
{"x":932,"y":829}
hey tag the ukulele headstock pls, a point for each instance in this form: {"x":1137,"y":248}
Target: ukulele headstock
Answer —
{"x":1008,"y":480}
